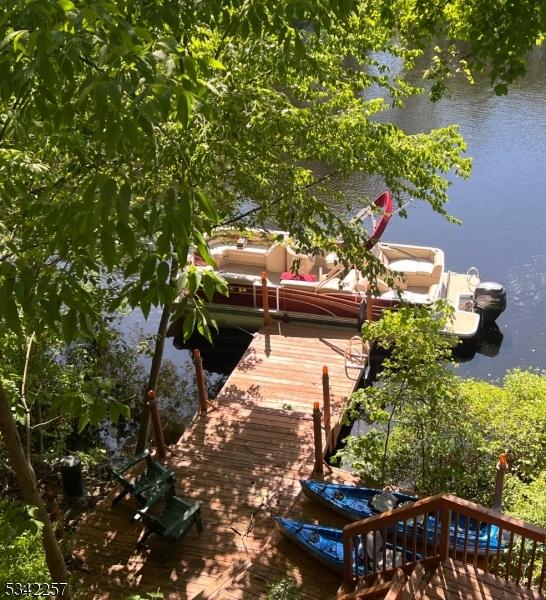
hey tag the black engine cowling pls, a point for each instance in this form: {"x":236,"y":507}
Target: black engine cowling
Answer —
{"x":489,"y":301}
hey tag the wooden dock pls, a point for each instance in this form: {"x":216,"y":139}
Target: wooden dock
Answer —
{"x":243,"y":459}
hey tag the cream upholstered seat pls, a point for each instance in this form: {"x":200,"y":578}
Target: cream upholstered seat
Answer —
{"x":227,"y":255}
{"x":275,"y":258}
{"x":406,"y":265}
{"x":305,"y":265}
{"x":407,"y":296}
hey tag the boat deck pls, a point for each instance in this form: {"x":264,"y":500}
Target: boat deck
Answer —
{"x":243,"y":460}
{"x":464,"y":323}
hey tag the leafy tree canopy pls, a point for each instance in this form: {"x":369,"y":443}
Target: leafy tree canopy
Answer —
{"x":431,"y":431}
{"x":129,"y":130}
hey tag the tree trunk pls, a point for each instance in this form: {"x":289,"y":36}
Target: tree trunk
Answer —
{"x":155,"y":368}
{"x":31,"y":496}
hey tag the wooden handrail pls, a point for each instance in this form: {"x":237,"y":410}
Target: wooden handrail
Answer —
{"x":457,"y":524}
{"x":492,"y":517}
{"x":471,"y":509}
{"x":407,"y":511}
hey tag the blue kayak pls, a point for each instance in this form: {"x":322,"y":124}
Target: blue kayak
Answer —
{"x":326,"y":545}
{"x":354,"y":503}
{"x":357,"y":503}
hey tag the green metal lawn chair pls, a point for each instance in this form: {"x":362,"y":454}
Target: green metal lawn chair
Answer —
{"x":174,"y":521}
{"x":143,"y":487}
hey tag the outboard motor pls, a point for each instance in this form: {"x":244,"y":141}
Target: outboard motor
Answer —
{"x":489,"y":301}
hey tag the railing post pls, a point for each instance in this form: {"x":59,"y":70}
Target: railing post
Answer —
{"x":348,"y":582}
{"x":369,"y":315}
{"x":502,"y":467}
{"x":201,"y":390}
{"x":265,"y":300}
{"x":326,"y":401}
{"x":156,"y":423}
{"x":317,"y":436}
{"x":445,"y":530}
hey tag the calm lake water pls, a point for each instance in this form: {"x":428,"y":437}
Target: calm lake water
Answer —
{"x":502,"y":207}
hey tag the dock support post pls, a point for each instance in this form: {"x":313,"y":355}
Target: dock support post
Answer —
{"x":156,"y":423}
{"x":326,"y":403}
{"x":369,"y":315}
{"x":201,"y":390}
{"x":317,"y":433}
{"x":502,"y":467}
{"x":265,"y":300}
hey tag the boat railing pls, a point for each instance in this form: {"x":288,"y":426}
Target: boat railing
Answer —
{"x":444,"y":527}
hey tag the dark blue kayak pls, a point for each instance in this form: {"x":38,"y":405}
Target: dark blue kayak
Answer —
{"x":326,"y":545}
{"x":357,"y":503}
{"x":354,"y":503}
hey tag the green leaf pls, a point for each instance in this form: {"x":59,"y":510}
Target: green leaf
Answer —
{"x":148,"y":268}
{"x":184,"y":103}
{"x":185,"y":213}
{"x":108,"y":248}
{"x":163,"y":271}
{"x":208,"y":286}
{"x":203,"y":249}
{"x":208,"y":208}
{"x":123,"y":202}
{"x":11,"y":315}
{"x":69,"y":323}
{"x":194,"y":279}
{"x":83,"y":423}
{"x":215,"y":64}
{"x":108,"y":191}
{"x":299,"y":46}
{"x":145,"y":308}
{"x":189,"y":325}
{"x":66,"y":5}
{"x":126,"y":236}
{"x":124,"y":410}
{"x":100,"y":93}
{"x":132,"y":267}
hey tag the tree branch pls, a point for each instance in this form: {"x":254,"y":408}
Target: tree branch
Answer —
{"x":28,"y":427}
{"x":276,"y":201}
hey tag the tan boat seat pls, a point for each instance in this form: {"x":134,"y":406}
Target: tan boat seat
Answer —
{"x":306,"y":263}
{"x":275,"y":259}
{"x":296,"y":284}
{"x":406,"y":265}
{"x":332,"y":285}
{"x":246,"y":256}
{"x":406,"y":296}
{"x":351,"y":280}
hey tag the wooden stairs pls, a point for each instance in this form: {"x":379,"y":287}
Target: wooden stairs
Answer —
{"x":447,"y":564}
{"x":448,"y":580}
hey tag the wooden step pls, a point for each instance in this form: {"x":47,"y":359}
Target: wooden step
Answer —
{"x":456,"y":581}
{"x":397,"y":586}
{"x":370,"y":592}
{"x":415,"y":582}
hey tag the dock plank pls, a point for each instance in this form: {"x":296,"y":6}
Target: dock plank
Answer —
{"x":243,"y":460}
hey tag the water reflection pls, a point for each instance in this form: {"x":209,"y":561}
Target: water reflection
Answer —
{"x":501,"y":204}
{"x":177,"y":393}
